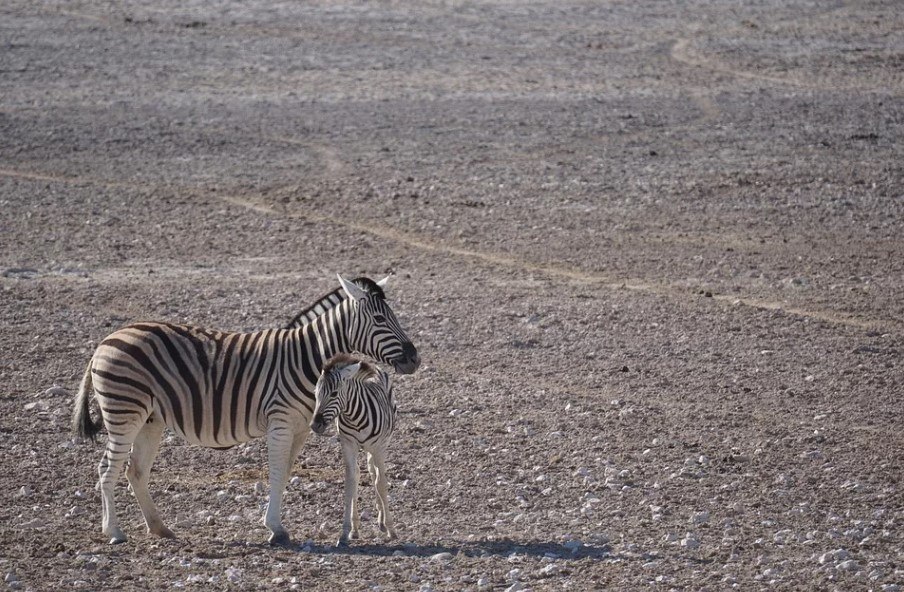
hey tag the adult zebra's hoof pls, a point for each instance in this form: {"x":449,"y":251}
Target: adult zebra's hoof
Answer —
{"x":280,"y":539}
{"x":342,"y":543}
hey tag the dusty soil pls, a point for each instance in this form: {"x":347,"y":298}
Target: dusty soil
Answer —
{"x":651,"y":254}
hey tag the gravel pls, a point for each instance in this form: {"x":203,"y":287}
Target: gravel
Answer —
{"x":651,"y":258}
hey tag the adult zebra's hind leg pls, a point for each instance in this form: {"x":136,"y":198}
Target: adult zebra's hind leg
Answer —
{"x":122,"y":432}
{"x":144,"y":451}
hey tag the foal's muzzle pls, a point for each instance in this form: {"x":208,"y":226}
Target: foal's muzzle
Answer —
{"x":319,"y":425}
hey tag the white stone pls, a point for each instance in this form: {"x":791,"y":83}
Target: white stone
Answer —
{"x":25,"y":491}
{"x":700,"y":518}
{"x":234,"y":574}
{"x":516,"y":587}
{"x":550,"y":569}
{"x":690,"y":542}
{"x":446,"y":556}
{"x":484,"y":582}
{"x":513,"y":575}
{"x":222,"y":495}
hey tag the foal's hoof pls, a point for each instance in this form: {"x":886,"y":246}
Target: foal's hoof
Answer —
{"x":280,"y":539}
{"x":117,"y":536}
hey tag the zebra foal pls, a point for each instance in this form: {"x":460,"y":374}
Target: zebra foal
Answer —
{"x":358,"y":396}
{"x":219,"y":389}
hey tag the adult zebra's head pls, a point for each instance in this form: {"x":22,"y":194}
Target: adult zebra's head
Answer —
{"x":374,"y":329}
{"x":327,"y":393}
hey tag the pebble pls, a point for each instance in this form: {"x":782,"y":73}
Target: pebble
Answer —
{"x":891,"y":588}
{"x":233,"y":574}
{"x":25,"y":491}
{"x":573,"y":545}
{"x":222,"y":495}
{"x":516,"y":587}
{"x":837,"y":555}
{"x":550,"y":569}
{"x":690,"y":542}
{"x":295,"y":481}
{"x":260,"y":488}
{"x":849,"y":565}
{"x":700,"y":518}
{"x":57,"y":391}
{"x":446,"y":556}
{"x":484,"y":582}
{"x":11,"y":577}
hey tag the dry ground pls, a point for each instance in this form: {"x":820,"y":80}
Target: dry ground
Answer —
{"x":651,"y":254}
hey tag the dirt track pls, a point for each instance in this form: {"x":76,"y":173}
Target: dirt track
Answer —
{"x":651,"y":254}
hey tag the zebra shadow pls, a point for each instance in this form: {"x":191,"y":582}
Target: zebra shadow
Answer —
{"x":500,"y":548}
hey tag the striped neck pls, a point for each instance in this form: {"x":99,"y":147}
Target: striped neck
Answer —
{"x":322,"y":338}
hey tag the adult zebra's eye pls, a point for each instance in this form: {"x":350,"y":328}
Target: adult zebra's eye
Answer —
{"x":379,"y":318}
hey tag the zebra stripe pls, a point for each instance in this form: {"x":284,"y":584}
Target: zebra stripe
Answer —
{"x":357,"y":397}
{"x":219,"y":389}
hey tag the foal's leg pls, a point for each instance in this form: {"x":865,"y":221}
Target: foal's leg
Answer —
{"x":144,"y":451}
{"x":350,"y":456}
{"x":381,"y":483}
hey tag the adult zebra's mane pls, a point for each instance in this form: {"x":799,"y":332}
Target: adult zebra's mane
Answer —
{"x":331,"y":299}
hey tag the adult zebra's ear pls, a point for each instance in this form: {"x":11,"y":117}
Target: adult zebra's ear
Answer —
{"x":382,"y":283}
{"x":353,"y":291}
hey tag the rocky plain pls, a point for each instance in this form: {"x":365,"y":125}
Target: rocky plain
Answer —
{"x":652,"y":255}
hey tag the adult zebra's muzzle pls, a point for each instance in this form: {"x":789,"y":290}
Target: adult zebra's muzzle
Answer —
{"x":409,"y":361}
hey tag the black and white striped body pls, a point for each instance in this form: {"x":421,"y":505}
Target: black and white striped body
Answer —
{"x":219,"y":389}
{"x":357,"y":398}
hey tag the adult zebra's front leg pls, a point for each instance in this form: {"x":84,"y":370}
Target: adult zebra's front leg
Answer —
{"x":281,"y":444}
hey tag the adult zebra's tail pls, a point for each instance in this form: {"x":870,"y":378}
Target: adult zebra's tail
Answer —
{"x":82,"y":426}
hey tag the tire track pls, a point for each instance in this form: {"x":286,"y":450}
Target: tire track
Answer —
{"x":438,"y":246}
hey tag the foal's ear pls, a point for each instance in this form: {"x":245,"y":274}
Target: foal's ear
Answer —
{"x":352,"y":289}
{"x":382,"y":283}
{"x":350,"y":370}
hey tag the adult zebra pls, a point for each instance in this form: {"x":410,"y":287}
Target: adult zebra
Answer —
{"x":219,"y":389}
